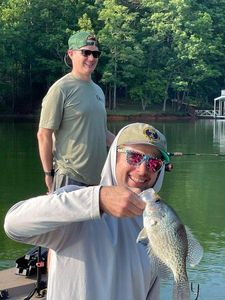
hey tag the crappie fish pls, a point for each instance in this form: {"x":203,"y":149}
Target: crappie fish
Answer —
{"x":170,"y":244}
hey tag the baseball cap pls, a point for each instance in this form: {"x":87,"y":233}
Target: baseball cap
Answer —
{"x":141,"y":133}
{"x":81,"y":39}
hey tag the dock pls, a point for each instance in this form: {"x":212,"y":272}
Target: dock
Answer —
{"x":18,"y":286}
{"x":219,"y":109}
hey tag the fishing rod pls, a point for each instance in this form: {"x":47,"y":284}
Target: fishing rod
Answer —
{"x":195,"y":154}
{"x":169,"y":166}
{"x":41,"y":285}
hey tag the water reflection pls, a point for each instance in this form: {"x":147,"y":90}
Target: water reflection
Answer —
{"x":219,"y":135}
{"x":195,"y":188}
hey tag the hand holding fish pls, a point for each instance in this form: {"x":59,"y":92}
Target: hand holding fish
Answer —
{"x":121,"y":201}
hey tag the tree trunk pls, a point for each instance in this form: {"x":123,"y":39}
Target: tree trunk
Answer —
{"x":115,"y":80}
{"x":166,"y":96}
{"x":114,"y":96}
{"x":110,"y":98}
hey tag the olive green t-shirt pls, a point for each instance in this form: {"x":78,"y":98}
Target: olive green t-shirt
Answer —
{"x":75,"y":110}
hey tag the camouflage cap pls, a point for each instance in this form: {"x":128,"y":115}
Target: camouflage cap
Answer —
{"x":81,"y":39}
{"x":141,"y":133}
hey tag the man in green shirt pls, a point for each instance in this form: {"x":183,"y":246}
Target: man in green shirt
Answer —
{"x":73,"y":135}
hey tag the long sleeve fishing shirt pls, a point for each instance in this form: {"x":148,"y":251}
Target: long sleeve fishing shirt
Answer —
{"x":94,"y":256}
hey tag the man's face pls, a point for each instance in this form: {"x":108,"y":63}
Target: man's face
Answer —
{"x":83,"y":64}
{"x":133,"y":174}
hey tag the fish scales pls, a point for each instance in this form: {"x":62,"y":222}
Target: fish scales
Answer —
{"x":168,"y":242}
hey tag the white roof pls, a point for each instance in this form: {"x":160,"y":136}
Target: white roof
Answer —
{"x":219,"y":98}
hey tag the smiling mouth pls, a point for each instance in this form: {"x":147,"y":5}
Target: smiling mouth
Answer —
{"x":90,"y":65}
{"x":137,"y":180}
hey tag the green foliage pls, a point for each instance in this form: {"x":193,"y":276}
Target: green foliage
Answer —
{"x":151,"y":90}
{"x":152,"y":51}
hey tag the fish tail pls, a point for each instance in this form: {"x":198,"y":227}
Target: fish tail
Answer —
{"x":181,"y":290}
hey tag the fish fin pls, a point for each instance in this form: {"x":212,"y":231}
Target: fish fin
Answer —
{"x":142,"y":237}
{"x":195,"y":250}
{"x":153,"y":260}
{"x":162,"y":270}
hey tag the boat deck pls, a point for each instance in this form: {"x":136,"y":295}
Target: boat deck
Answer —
{"x":18,"y":286}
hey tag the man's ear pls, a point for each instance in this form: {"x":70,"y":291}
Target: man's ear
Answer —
{"x":70,"y":53}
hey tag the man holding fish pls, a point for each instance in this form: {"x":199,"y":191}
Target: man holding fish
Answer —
{"x":92,"y":231}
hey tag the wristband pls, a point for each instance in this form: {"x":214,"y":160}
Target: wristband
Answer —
{"x":50,"y":173}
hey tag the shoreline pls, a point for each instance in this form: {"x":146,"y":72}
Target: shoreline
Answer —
{"x":114,"y":117}
{"x":147,"y":117}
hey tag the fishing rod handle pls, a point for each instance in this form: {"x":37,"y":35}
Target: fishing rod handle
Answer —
{"x":175,"y":153}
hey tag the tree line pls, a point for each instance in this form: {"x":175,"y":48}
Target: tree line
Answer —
{"x":153,"y":52}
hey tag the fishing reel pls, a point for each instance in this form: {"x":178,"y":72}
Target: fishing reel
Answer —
{"x":168,"y":167}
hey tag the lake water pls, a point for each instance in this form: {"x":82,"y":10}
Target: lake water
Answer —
{"x":195,"y":188}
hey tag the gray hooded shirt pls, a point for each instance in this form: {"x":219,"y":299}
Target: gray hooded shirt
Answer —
{"x":94,"y":256}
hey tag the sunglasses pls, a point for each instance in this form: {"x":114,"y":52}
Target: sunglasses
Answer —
{"x":86,"y":53}
{"x":136,"y":159}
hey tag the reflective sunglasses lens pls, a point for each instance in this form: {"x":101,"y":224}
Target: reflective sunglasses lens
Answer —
{"x":155,"y":164}
{"x":134,"y":158}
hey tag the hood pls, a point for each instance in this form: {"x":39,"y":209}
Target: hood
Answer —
{"x":108,"y":175}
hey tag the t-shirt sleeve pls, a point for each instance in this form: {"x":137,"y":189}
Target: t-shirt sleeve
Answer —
{"x":52,"y":108}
